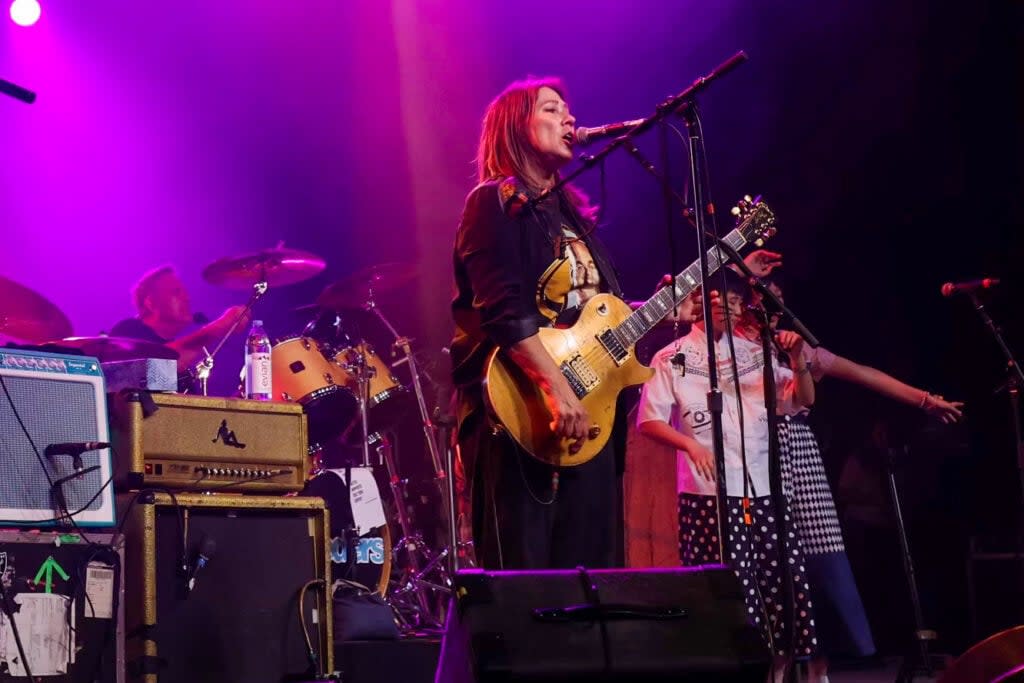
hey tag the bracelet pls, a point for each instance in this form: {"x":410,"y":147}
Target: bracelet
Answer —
{"x":803,"y":371}
{"x":924,"y":400}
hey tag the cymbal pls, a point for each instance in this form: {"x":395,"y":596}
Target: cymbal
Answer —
{"x":116,"y":348}
{"x":26,"y":316}
{"x":278,"y":266}
{"x":359,"y":288}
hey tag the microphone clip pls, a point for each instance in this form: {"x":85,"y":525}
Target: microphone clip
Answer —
{"x":678,"y":360}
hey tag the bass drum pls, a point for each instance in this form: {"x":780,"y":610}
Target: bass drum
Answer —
{"x":362,"y":555}
{"x":303,"y":374}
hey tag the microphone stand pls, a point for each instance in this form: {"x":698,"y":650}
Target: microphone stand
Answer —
{"x":1013,"y":387}
{"x":672,"y":104}
{"x":774,"y":304}
{"x":17,"y":92}
{"x":684,"y":102}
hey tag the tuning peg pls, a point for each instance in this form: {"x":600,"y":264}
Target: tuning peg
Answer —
{"x":747,"y":198}
{"x":735,"y":211}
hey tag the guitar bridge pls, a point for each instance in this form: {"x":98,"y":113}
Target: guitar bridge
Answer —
{"x":614,"y":346}
{"x":580,"y":375}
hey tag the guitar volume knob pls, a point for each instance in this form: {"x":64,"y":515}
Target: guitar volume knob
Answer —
{"x":593,"y":432}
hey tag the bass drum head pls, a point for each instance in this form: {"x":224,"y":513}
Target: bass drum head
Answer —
{"x":365,"y":557}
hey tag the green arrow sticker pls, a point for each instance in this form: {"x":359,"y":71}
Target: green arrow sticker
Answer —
{"x":47,"y":568}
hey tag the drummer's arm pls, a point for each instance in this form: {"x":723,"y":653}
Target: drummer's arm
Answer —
{"x":190,"y":346}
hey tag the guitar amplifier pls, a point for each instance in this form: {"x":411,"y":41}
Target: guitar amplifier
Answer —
{"x":45,"y":399}
{"x":206,"y":444}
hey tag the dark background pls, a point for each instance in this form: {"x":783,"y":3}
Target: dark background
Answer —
{"x":885,"y":136}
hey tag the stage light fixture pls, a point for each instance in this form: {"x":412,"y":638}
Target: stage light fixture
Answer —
{"x":25,"y":12}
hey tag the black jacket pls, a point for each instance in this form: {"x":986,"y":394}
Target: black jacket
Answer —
{"x":502,"y":247}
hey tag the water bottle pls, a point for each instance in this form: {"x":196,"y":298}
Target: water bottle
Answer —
{"x":257,"y":364}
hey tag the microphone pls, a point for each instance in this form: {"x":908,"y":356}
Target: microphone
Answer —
{"x":207,"y":547}
{"x":584,"y":136}
{"x":951,"y":288}
{"x":200,"y":318}
{"x":74,"y":448}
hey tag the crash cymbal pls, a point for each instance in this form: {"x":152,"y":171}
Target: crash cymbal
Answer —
{"x":28,"y":317}
{"x":278,"y":266}
{"x":356,"y":290}
{"x":116,"y":348}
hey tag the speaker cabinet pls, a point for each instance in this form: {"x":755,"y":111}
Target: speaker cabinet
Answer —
{"x":214,"y":585}
{"x":58,"y":399}
{"x":677,"y":624}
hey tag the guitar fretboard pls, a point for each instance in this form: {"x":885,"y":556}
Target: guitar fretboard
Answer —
{"x":659,"y":305}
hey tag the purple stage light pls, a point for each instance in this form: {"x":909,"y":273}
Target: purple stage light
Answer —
{"x":25,"y":12}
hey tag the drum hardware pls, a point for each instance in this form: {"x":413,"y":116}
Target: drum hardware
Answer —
{"x":418,"y":599}
{"x":204,"y":367}
{"x":411,"y":600}
{"x":363,"y":387}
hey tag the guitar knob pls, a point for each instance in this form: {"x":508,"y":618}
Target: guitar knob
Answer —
{"x":593,"y":432}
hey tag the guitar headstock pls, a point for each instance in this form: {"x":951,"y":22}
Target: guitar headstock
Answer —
{"x":754,"y":220}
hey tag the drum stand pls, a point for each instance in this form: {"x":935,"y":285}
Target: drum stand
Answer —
{"x":414,"y":581}
{"x":411,"y":600}
{"x":204,"y":367}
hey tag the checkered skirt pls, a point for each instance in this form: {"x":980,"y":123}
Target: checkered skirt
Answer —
{"x":805,"y":484}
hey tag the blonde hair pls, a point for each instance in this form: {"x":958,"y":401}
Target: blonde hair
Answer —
{"x":147,"y":283}
{"x":505,"y":148}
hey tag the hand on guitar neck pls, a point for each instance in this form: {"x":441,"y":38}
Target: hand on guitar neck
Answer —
{"x":569,"y":419}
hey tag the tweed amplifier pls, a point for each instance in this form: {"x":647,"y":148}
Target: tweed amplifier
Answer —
{"x":205,"y":444}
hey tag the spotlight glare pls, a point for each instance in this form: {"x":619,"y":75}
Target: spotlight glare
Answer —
{"x":25,"y":12}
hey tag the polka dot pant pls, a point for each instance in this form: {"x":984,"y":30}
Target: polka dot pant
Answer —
{"x":754,"y":554}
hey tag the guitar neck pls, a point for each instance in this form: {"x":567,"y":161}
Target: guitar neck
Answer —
{"x":659,"y":305}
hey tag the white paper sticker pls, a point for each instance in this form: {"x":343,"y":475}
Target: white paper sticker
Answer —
{"x":367,"y":507}
{"x":45,"y":627}
{"x":99,"y":591}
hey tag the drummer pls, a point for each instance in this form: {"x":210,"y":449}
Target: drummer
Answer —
{"x":164,"y":312}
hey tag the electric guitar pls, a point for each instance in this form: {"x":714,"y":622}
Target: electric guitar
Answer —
{"x":596,"y":355}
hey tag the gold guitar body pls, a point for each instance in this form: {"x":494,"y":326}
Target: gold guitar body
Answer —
{"x":518,"y":405}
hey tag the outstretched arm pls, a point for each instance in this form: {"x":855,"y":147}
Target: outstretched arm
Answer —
{"x":887,"y":385}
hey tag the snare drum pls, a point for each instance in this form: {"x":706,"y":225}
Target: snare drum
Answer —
{"x":388,"y":398}
{"x":304,"y":375}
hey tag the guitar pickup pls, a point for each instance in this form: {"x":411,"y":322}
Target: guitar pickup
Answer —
{"x":615,"y":348}
{"x":580,"y":375}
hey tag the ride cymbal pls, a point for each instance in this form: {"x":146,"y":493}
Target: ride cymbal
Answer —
{"x":278,"y":266}
{"x":360,"y":288}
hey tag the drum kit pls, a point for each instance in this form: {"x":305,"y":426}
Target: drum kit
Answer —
{"x":351,"y":394}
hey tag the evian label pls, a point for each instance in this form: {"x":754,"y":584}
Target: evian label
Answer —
{"x":258,"y":375}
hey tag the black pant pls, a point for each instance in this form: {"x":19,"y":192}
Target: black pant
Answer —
{"x":519,"y":522}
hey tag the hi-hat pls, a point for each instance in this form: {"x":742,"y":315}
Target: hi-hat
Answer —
{"x":26,"y":316}
{"x":116,"y":348}
{"x":360,"y":288}
{"x":278,"y":266}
